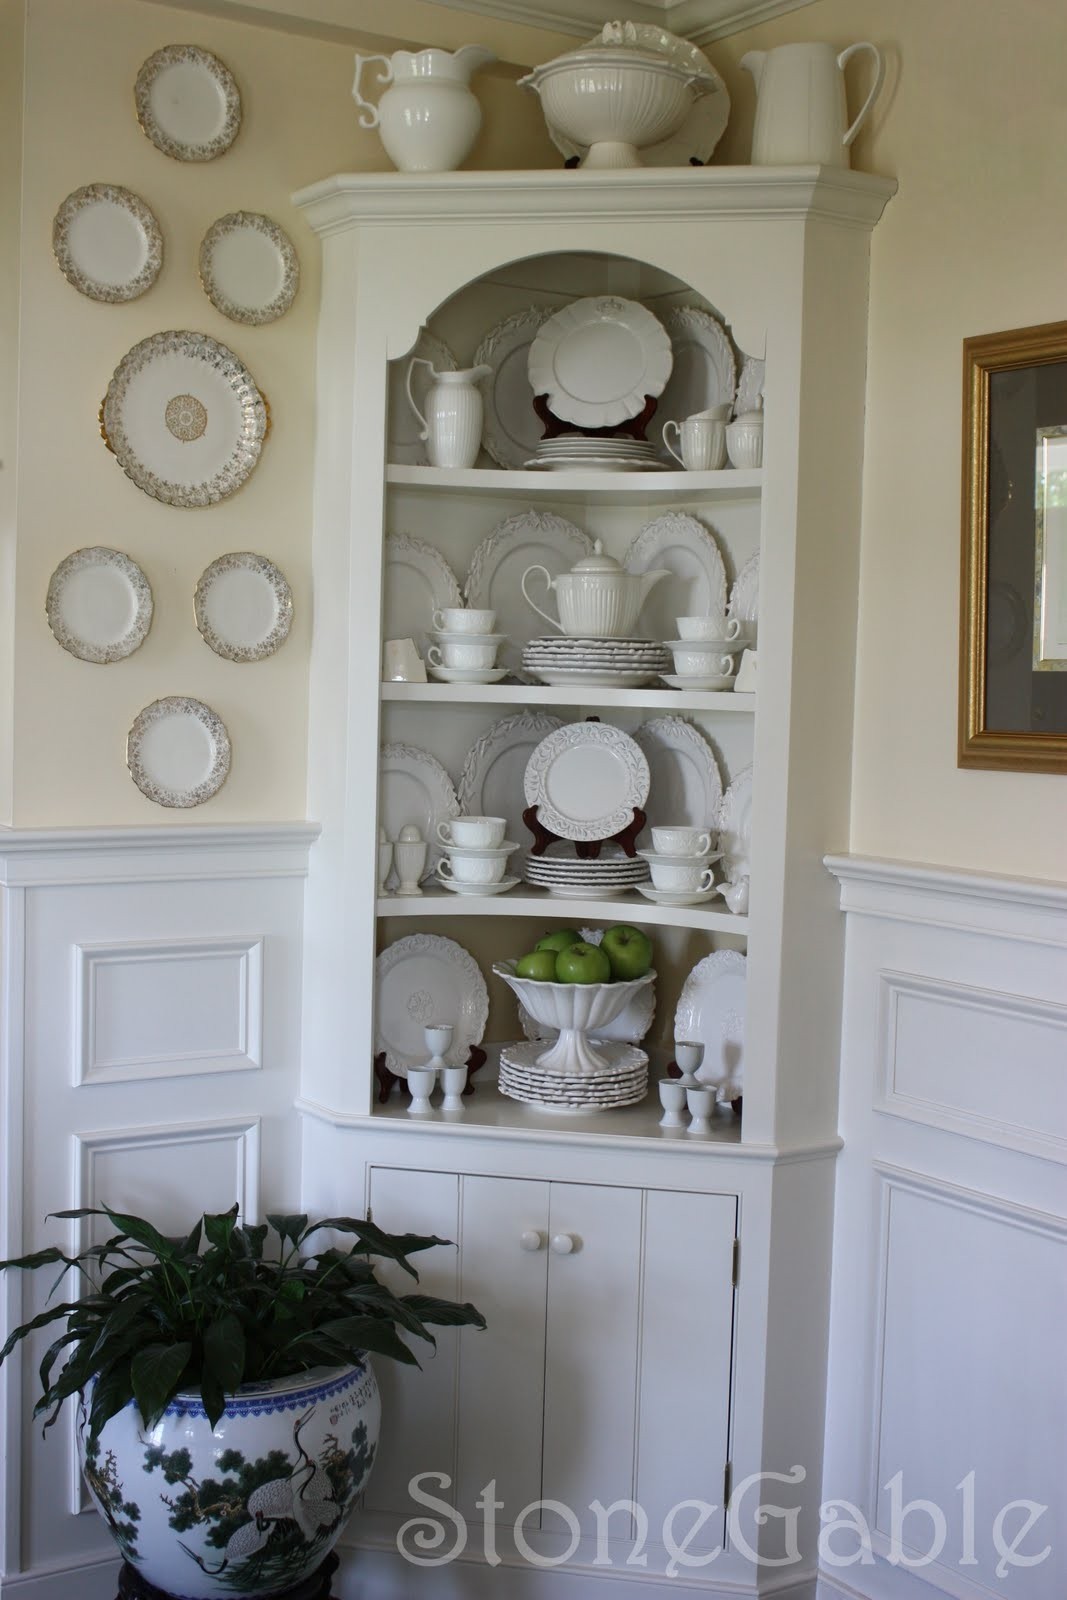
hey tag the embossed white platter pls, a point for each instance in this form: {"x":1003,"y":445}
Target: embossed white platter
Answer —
{"x":735,"y":825}
{"x":107,"y":243}
{"x":248,"y":267}
{"x":187,"y":103}
{"x":491,"y":783}
{"x":586,"y":779}
{"x":598,"y":359}
{"x":99,"y":605}
{"x":243,"y":606}
{"x":184,"y":418}
{"x":744,"y":599}
{"x":494,"y":582}
{"x":406,"y":448}
{"x":413,"y":787}
{"x":685,"y":785}
{"x":711,"y":1011}
{"x":511,"y":429}
{"x":178,"y":751}
{"x":697,"y":585}
{"x":704,"y":372}
{"x":424,"y":979}
{"x":704,"y":123}
{"x":417,"y":581}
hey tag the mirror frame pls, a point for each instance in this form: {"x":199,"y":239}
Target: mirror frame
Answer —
{"x":979,"y":745}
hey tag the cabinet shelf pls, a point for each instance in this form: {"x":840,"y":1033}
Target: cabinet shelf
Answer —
{"x":587,"y":484}
{"x":530,"y":902}
{"x":539,"y":694}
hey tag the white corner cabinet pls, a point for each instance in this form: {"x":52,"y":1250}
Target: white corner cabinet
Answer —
{"x":781,"y":256}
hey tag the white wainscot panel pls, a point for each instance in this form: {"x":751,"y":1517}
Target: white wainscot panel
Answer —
{"x":164,"y":1009}
{"x":971,"y":1407}
{"x":988,"y":1064}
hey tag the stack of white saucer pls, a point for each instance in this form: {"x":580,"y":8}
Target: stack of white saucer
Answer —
{"x":569,"y":876}
{"x":575,"y":450}
{"x":623,"y":1082}
{"x":681,"y":866}
{"x":466,"y":647}
{"x":616,"y":663}
{"x":476,"y":856}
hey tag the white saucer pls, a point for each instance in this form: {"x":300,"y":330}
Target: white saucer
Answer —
{"x":711,"y":647}
{"x":479,"y":888}
{"x":693,"y":681}
{"x":677,"y":897}
{"x":484,"y":852}
{"x":467,"y":674}
{"x":469,"y":638}
{"x":661,"y":855}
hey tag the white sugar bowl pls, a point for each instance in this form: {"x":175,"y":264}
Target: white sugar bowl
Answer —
{"x":598,"y":598}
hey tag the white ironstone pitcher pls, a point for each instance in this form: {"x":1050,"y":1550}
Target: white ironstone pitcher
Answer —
{"x":801,"y":114}
{"x":428,"y":118}
{"x":452,"y":426}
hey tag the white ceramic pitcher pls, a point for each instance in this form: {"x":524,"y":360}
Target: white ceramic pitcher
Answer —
{"x":428,"y":118}
{"x":452,"y":426}
{"x":801,"y":113}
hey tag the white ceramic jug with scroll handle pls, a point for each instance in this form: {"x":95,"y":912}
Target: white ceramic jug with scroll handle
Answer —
{"x":452,"y":426}
{"x":801,"y":112}
{"x":428,"y":118}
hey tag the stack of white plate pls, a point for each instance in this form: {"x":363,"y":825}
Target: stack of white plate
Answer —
{"x":623,"y":1082}
{"x":576,"y":450}
{"x":618,"y":663}
{"x":568,"y":875}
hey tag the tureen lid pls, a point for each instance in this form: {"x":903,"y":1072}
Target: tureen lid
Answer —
{"x":598,"y":561}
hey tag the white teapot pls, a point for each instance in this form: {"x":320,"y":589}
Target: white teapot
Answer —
{"x":428,"y":119}
{"x":597,"y":599}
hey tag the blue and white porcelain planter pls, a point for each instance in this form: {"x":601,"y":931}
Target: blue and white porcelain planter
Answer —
{"x":250,"y":1508}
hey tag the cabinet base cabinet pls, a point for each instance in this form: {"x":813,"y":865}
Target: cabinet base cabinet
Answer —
{"x":596,"y":1405}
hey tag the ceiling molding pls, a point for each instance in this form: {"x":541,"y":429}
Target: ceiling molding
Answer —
{"x":698,"y":20}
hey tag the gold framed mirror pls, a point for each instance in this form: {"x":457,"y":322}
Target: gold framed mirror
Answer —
{"x":1013,"y":620}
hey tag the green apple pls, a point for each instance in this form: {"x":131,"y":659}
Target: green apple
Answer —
{"x":582,"y":963}
{"x":539,"y":964}
{"x":629,"y":952}
{"x":559,"y":940}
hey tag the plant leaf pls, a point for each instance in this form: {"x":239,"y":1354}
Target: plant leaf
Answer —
{"x":291,"y":1226}
{"x":143,"y":1233}
{"x":220,"y":1226}
{"x":372,"y":1241}
{"x":444,"y":1313}
{"x":154,"y":1373}
{"x":112,"y":1390}
{"x":40,"y":1321}
{"x":224,"y":1352}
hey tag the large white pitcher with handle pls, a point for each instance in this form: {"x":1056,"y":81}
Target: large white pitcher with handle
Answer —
{"x":801,"y":114}
{"x":428,"y":117}
{"x":452,"y":426}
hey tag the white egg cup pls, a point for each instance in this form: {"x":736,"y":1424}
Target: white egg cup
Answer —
{"x":688,"y":1056}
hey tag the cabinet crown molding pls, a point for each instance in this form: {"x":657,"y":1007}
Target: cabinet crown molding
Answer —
{"x":666,"y":193}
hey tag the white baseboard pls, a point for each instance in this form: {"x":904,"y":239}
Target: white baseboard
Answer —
{"x":95,"y":1581}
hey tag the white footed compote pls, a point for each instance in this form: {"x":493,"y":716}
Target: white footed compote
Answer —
{"x":576,"y":1009}
{"x":409,"y":855}
{"x":672,"y":1092}
{"x":689,"y":1056}
{"x":700,"y":1098}
{"x":453,"y":1081}
{"x":421,"y":1081}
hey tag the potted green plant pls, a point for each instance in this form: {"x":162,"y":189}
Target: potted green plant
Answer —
{"x":227,"y":1413}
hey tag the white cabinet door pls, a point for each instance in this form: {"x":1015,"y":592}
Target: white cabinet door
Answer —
{"x":686,"y":1340}
{"x":418,"y":1408}
{"x":503,"y":1270}
{"x":594,"y":1283}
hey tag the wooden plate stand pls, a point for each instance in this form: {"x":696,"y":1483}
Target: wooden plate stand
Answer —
{"x":584,"y":849}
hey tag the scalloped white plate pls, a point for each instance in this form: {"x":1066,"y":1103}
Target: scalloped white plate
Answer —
{"x":248,"y":267}
{"x":712,"y":1010}
{"x":586,"y":780}
{"x":178,"y":752}
{"x":417,"y":581}
{"x":697,"y":585}
{"x":413,"y":787}
{"x":491,"y":782}
{"x":99,"y":605}
{"x":686,"y":786}
{"x":494,"y":582}
{"x":424,"y":979}
{"x":735,"y":825}
{"x":511,"y":428}
{"x":704,"y":372}
{"x":187,"y":103}
{"x":243,"y":606}
{"x":598,"y":359}
{"x":107,"y":243}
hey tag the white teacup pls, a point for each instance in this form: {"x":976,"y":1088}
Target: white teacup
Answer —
{"x":702,"y":664}
{"x":458,"y":653}
{"x":701,"y":443}
{"x":457,"y":619}
{"x":681,"y":841}
{"x":681,"y":876}
{"x":714,"y":627}
{"x":461,"y":868}
{"x":473,"y":833}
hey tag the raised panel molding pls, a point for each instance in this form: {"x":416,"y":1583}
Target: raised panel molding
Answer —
{"x":151,"y":1009}
{"x":976,"y":1061}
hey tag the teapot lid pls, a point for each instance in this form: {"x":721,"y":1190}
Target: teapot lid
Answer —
{"x":598,"y":561}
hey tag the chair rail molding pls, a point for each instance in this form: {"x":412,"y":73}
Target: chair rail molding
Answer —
{"x":35,"y":857}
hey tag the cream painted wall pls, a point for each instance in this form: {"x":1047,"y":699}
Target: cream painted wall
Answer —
{"x":81,"y":59}
{"x":973,"y":123}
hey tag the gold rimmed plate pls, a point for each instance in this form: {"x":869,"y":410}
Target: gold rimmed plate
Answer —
{"x":243,"y":606}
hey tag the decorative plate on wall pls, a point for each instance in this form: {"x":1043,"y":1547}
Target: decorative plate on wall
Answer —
{"x":187,"y":103}
{"x":99,"y":604}
{"x":248,"y":267}
{"x":184,"y":418}
{"x":243,"y":606}
{"x":178,"y":751}
{"x":107,"y":243}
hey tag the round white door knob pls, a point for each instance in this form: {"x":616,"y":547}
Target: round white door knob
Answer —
{"x":531,"y":1239}
{"x":563,"y":1243}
